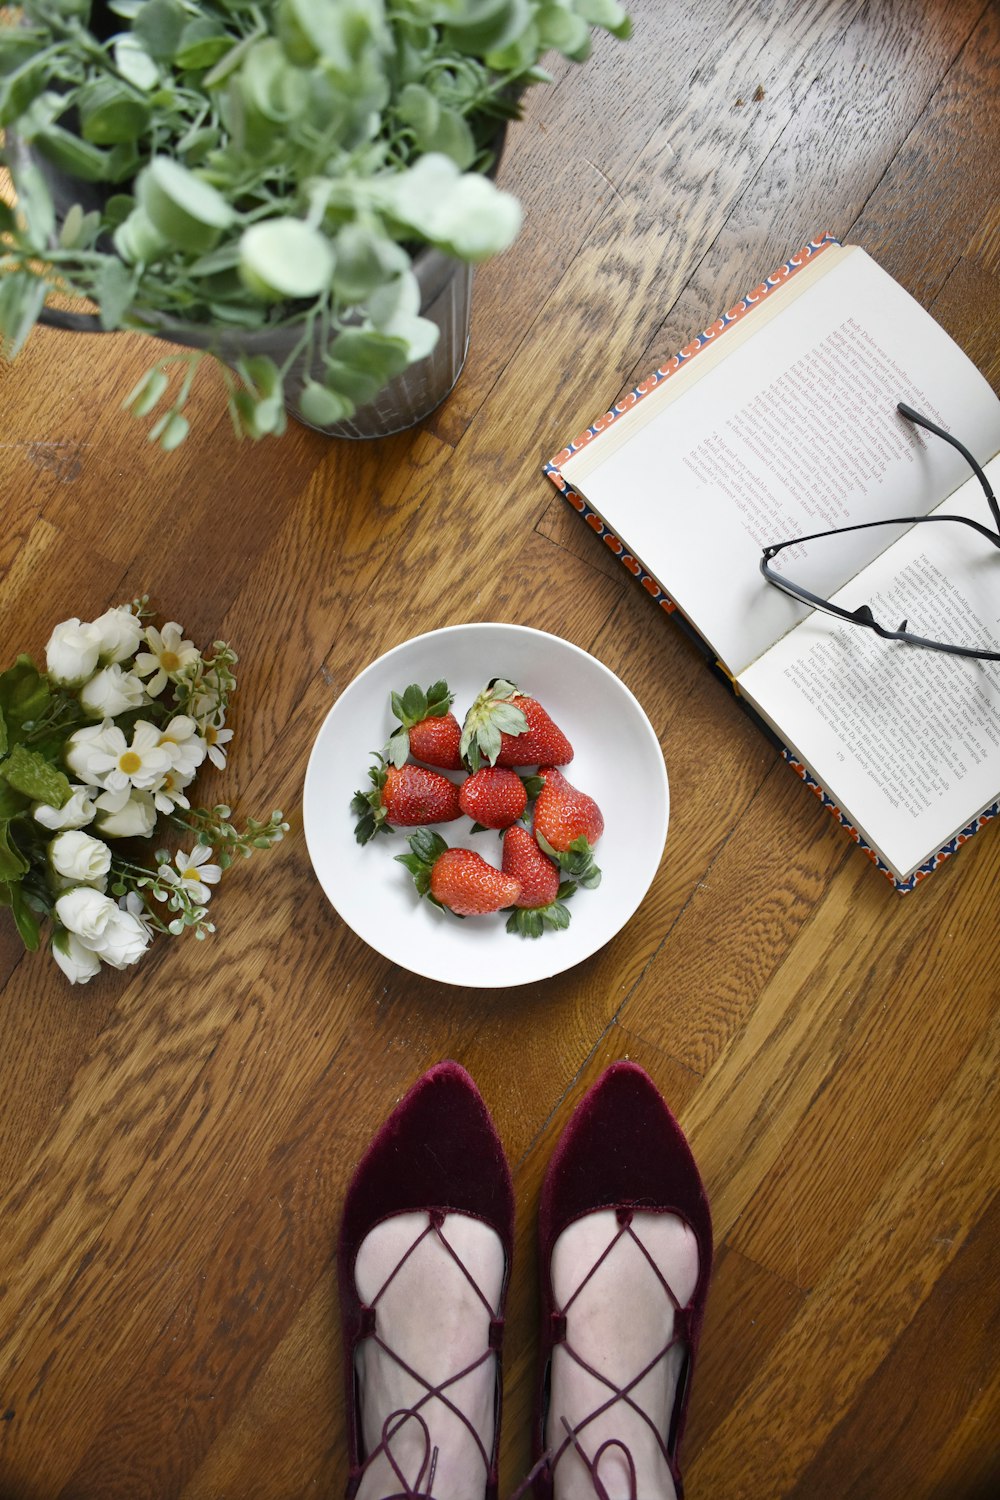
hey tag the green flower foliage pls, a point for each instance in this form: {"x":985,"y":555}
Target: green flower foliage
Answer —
{"x":244,"y":166}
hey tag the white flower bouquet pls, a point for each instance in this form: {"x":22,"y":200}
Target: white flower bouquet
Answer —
{"x":109,"y":739}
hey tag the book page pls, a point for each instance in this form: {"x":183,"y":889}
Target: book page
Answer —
{"x":905,"y":740}
{"x":793,"y":433}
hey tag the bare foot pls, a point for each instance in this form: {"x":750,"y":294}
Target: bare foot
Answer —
{"x":432,"y":1317}
{"x":617,"y":1323}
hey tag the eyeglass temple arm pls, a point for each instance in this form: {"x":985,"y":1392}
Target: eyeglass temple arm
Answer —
{"x":915,"y":416}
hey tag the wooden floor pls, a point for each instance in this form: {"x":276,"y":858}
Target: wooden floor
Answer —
{"x":175,"y":1141}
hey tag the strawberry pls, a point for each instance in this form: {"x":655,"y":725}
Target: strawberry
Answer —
{"x":567,"y":823}
{"x":543,"y":743}
{"x":427,"y":730}
{"x":505,"y":727}
{"x":457,"y":879}
{"x":540,"y":902}
{"x":493,"y":798}
{"x":407,"y":795}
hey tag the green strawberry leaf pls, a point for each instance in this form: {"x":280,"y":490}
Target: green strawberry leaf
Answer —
{"x":577,"y":861}
{"x":426,"y":847}
{"x":398,"y":748}
{"x":492,"y":714}
{"x":533,"y":921}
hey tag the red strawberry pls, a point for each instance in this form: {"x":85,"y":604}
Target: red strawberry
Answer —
{"x":540,"y":902}
{"x":493,"y":798}
{"x":457,"y":879}
{"x":567,"y":823}
{"x":505,"y":727}
{"x":542,"y":744}
{"x":427,"y":731}
{"x":407,"y":795}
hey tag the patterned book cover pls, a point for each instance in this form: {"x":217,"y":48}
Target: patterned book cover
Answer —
{"x":659,"y":594}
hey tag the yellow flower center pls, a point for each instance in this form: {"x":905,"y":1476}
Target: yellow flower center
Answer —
{"x":168,"y":782}
{"x":191,"y":873}
{"x":130,"y":763}
{"x":211,"y":734}
{"x":169,"y":661}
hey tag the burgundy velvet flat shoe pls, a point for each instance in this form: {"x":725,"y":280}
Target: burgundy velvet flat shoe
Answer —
{"x":437,"y":1154}
{"x":621,"y":1150}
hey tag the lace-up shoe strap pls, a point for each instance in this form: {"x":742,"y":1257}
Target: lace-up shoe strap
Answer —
{"x":561,"y":1335}
{"x":368,"y":1328}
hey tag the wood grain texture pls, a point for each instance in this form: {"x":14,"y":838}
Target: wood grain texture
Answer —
{"x":175,"y":1141}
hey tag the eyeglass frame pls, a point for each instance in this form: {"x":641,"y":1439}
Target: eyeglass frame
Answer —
{"x":863,"y":615}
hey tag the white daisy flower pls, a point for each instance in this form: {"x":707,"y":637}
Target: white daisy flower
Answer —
{"x":209,"y":703}
{"x":168,"y":656}
{"x":192,"y":874}
{"x":132,"y":902}
{"x":169,"y":793}
{"x":186,"y":746}
{"x":216,"y":740}
{"x":141,"y":764}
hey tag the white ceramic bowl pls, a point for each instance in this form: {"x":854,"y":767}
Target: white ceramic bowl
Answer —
{"x":618,"y":761}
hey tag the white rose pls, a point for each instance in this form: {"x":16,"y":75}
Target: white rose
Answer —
{"x":135,"y":819}
{"x":124,"y":941}
{"x":78,"y":857}
{"x":77,"y":962}
{"x":121,"y":632}
{"x":76,"y":813}
{"x":82,"y":746}
{"x":72,"y":652}
{"x":86,"y":913}
{"x":111,"y":692}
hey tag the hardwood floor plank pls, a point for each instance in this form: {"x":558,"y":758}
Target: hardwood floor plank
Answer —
{"x":871,"y":90}
{"x":915,"y":233}
{"x":910,"y":1422}
{"x":867,"y":1299}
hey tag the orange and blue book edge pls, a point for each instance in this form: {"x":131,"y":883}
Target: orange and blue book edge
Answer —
{"x":658,"y":593}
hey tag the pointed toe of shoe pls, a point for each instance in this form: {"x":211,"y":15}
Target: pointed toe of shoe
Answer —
{"x":438,"y":1149}
{"x":623,"y":1146}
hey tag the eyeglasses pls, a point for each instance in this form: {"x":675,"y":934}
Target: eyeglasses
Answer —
{"x":863,"y":615}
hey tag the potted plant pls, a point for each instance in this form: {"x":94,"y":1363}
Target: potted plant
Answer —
{"x":295,"y":189}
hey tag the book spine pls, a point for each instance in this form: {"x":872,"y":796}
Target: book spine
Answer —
{"x":659,"y":595}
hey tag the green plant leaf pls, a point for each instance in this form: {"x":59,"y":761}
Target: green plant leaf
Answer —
{"x":187,"y":210}
{"x":323,"y":407}
{"x":19,"y":89}
{"x":31,"y":774}
{"x":373,"y":353}
{"x":202,"y":42}
{"x":76,"y":157}
{"x":22,"y":297}
{"x":24,"y":696}
{"x":114,"y":288}
{"x":111,"y":112}
{"x":134,"y":62}
{"x":24,"y":919}
{"x":285,"y":258}
{"x":12,"y":862}
{"x":158,"y":25}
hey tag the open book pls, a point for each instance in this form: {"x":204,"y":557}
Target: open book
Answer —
{"x":780,"y":421}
